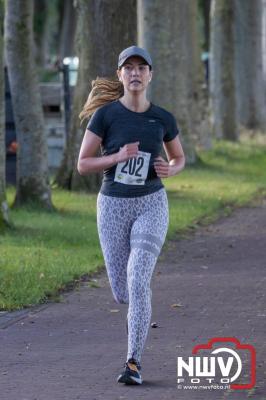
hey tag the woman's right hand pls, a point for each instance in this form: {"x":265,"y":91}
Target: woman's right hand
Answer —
{"x":129,"y":150}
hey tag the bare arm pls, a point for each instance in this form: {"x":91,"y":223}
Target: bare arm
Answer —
{"x":88,"y":162}
{"x":175,"y":156}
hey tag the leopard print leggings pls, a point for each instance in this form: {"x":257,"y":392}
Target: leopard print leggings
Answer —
{"x":131,"y":232}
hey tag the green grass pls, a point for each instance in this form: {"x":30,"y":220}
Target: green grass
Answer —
{"x":45,"y":252}
{"x":228,"y":176}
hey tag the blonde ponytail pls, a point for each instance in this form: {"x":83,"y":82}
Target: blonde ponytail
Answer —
{"x":103,"y":91}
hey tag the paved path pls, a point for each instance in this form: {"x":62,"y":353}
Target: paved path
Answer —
{"x":75,"y":349}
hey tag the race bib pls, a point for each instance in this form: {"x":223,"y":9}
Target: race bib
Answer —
{"x":133,"y":171}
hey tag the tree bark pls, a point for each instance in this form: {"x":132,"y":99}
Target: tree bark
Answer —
{"x":104,"y":29}
{"x":32,"y":165}
{"x":250,"y":82}
{"x":4,"y":215}
{"x":222,"y":79}
{"x":168,"y":31}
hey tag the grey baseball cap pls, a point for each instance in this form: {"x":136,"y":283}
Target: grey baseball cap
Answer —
{"x":134,"y":51}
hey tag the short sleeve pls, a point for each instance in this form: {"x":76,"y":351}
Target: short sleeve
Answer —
{"x":171,"y":128}
{"x":96,"y":123}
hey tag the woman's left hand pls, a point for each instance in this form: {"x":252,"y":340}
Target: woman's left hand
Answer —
{"x":162,"y":168}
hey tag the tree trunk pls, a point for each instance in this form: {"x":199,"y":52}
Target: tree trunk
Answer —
{"x":263,"y":33}
{"x":41,"y":32}
{"x":168,"y":31}
{"x":4,"y":217}
{"x":222,"y":79}
{"x":67,"y":30}
{"x":47,"y":29}
{"x":250,"y":82}
{"x":104,"y":29}
{"x":32,"y":165}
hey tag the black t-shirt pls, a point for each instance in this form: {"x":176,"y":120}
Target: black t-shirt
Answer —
{"x":117,"y":126}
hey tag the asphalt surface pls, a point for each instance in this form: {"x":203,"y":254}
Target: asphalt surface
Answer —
{"x":208,"y":284}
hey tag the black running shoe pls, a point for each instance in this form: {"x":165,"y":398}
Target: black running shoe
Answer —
{"x":131,"y":374}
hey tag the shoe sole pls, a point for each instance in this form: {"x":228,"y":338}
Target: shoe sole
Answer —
{"x":129,"y":380}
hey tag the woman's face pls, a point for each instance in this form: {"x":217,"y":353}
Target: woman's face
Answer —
{"x":135,"y":74}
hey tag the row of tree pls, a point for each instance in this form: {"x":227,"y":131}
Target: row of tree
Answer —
{"x":234,"y":97}
{"x":54,"y":24}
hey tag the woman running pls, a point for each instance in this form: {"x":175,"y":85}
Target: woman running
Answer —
{"x":132,"y":205}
